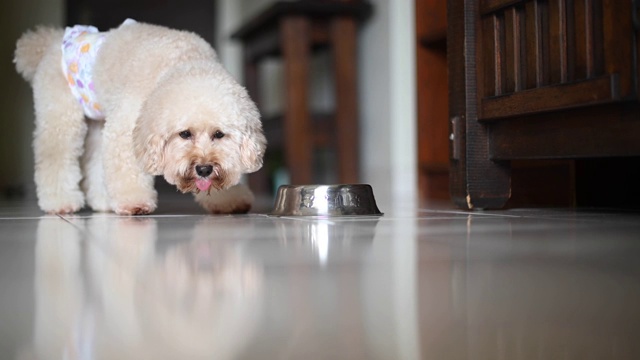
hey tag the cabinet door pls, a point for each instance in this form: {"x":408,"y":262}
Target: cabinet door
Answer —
{"x":543,"y":55}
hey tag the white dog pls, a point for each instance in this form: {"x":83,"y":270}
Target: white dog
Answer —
{"x":115,"y":108}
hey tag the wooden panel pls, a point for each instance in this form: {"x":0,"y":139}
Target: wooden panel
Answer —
{"x":531,"y":48}
{"x":600,"y":90}
{"x":509,"y":51}
{"x":566,"y":39}
{"x":499,"y":56}
{"x":489,"y":81}
{"x":576,"y":133}
{"x":582,"y":39}
{"x":519,"y":40}
{"x":541,"y":15}
{"x":618,"y":45}
{"x":489,"y":6}
{"x":556,"y":41}
{"x":636,"y":23}
{"x":536,"y":51}
{"x":594,"y":31}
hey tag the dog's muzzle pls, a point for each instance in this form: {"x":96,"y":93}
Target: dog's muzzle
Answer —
{"x":205,"y":178}
{"x":204,"y":170}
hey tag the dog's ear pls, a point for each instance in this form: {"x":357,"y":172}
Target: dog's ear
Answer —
{"x":252,"y":148}
{"x":149,"y":147}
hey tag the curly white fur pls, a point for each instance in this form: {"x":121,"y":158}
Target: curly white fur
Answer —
{"x":154,"y":83}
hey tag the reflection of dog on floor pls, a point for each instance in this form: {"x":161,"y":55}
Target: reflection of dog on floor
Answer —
{"x":132,"y":299}
{"x":157,"y":101}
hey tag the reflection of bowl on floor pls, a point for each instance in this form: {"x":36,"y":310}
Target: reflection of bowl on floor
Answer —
{"x":325,"y":200}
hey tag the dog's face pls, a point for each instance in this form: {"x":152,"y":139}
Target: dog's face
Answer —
{"x":200,"y":132}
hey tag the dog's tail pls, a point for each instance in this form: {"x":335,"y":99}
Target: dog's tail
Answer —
{"x":31,"y":47}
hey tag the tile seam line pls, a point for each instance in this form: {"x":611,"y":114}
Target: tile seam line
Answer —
{"x":70,"y":223}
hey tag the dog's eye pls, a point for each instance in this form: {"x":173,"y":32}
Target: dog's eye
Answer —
{"x":218,"y":135}
{"x":185,"y":134}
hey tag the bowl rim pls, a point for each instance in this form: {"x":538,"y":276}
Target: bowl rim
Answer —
{"x":283,"y":189}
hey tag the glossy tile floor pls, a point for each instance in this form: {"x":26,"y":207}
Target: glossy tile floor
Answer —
{"x":414,"y":284}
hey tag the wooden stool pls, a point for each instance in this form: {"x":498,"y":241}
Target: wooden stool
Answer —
{"x":292,"y":31}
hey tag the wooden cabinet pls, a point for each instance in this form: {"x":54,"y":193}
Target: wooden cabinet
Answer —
{"x":538,"y":79}
{"x":432,"y":95}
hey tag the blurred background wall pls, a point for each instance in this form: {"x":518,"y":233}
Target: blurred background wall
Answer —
{"x":16,"y":117}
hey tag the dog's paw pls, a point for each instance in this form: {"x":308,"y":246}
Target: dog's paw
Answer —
{"x":235,"y":200}
{"x":64,"y":210}
{"x":140,"y":202}
{"x":135,"y":209}
{"x":60,"y":205}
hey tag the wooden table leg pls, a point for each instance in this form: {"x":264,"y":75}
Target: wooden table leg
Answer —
{"x":343,"y":38}
{"x":297,"y":143}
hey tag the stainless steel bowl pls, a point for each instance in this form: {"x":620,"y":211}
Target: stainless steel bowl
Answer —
{"x":325,"y":200}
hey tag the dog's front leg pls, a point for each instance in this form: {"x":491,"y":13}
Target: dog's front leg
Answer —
{"x":58,"y":139}
{"x":131,"y":189}
{"x":93,"y":184}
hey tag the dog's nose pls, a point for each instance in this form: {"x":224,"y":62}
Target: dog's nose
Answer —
{"x":204,"y":170}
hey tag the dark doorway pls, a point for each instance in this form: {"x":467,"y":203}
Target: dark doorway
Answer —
{"x":193,"y":15}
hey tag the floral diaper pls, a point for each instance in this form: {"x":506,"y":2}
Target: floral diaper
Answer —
{"x":80,"y":45}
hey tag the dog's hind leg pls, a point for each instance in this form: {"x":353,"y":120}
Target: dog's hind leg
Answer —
{"x":93,"y":183}
{"x":235,"y":200}
{"x":130,"y":189}
{"x":58,"y":138}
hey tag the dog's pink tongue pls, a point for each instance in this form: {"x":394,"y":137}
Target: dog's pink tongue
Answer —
{"x":203,"y":184}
